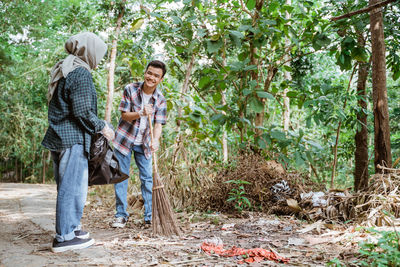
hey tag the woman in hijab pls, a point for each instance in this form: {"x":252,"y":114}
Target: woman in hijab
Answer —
{"x":73,"y":120}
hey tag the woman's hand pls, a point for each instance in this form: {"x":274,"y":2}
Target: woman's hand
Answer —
{"x":108,"y":132}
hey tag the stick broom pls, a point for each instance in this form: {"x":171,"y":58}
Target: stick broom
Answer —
{"x":163,"y":219}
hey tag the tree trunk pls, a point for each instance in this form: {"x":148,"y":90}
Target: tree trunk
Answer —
{"x":111,"y":71}
{"x":16,"y":171}
{"x":254,"y":61}
{"x":184,"y":89}
{"x":361,"y":138}
{"x":335,"y":149}
{"x":286,"y":100}
{"x":286,"y":106}
{"x":224,"y":133}
{"x":383,"y":154}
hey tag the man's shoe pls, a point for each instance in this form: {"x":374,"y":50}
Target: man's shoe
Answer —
{"x":76,"y":243}
{"x":81,"y":234}
{"x":147,"y":224}
{"x":119,"y":222}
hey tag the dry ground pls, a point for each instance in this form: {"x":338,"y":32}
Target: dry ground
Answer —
{"x":27,"y":219}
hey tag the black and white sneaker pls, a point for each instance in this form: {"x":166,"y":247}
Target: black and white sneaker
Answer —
{"x":119,"y":222}
{"x":81,"y":234}
{"x":147,"y":224}
{"x":76,"y":243}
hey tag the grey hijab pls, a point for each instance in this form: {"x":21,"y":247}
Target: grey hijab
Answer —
{"x":85,"y":50}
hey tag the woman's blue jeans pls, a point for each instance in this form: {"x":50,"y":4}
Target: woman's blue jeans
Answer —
{"x":71,"y":175}
{"x":146,"y":178}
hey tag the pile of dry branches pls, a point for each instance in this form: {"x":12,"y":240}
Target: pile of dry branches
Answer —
{"x":261,"y":175}
{"x":378,"y":205}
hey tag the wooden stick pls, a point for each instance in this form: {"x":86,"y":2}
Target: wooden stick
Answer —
{"x":363,"y":10}
{"x":386,"y":168}
{"x":152,"y":140}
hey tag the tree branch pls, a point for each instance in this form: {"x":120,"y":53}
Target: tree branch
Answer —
{"x":245,"y":10}
{"x":363,"y":10}
{"x":202,"y":97}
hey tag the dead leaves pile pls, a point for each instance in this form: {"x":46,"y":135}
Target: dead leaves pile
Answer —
{"x":262,"y":175}
{"x":379,"y":205}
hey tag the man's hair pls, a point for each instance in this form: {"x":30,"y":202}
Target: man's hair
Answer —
{"x":157,"y":64}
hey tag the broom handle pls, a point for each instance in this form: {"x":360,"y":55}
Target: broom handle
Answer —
{"x":152,"y":139}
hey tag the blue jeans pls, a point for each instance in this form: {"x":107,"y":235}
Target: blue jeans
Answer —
{"x":71,"y":174}
{"x":146,"y":178}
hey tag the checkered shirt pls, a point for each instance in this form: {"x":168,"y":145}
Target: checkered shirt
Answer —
{"x":72,"y":112}
{"x":128,"y":130}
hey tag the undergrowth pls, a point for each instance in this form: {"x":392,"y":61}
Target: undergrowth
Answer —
{"x":384,"y":252}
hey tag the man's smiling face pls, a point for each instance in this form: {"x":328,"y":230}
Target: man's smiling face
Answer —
{"x":152,"y":77}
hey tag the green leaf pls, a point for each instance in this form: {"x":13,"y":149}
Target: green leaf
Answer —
{"x":261,"y":143}
{"x":215,"y":37}
{"x":170,"y":105}
{"x":250,"y":67}
{"x":288,"y":68}
{"x":218,"y":117}
{"x":217,"y":97}
{"x":163,"y":20}
{"x":278,"y":135}
{"x":204,"y":81}
{"x":344,"y":61}
{"x":246,"y":92}
{"x":396,"y":75}
{"x":136,"y":24}
{"x":256,"y":105}
{"x":273,"y":6}
{"x":231,"y":199}
{"x":288,"y":8}
{"x":251,"y":4}
{"x":176,"y":20}
{"x":359,"y":54}
{"x":320,"y":40}
{"x":263,"y":94}
{"x":269,"y":22}
{"x":242,"y":56}
{"x":299,"y":159}
{"x":237,"y":34}
{"x":236,"y":37}
{"x":314,"y":144}
{"x":246,"y":201}
{"x":292,"y":94}
{"x":213,"y":47}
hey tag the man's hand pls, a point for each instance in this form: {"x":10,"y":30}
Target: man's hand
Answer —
{"x":108,"y":132}
{"x":155,"y":145}
{"x":147,"y":110}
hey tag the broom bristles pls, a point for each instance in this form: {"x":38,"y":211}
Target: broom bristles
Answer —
{"x":163,"y":219}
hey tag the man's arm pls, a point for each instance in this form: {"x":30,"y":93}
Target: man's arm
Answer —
{"x":157,"y":135}
{"x":131,"y":116}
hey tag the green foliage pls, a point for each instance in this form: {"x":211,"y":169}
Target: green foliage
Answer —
{"x":386,"y":252}
{"x":336,"y":263}
{"x":234,"y":52}
{"x":238,"y":195}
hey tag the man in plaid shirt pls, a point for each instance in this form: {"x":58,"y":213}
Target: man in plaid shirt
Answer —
{"x":133,"y":135}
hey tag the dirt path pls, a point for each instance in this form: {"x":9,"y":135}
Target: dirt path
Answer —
{"x":27,"y":223}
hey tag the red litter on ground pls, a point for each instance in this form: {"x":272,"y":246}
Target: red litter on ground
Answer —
{"x":250,"y":255}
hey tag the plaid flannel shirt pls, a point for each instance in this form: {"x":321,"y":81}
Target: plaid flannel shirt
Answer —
{"x":128,"y":130}
{"x":72,"y":112}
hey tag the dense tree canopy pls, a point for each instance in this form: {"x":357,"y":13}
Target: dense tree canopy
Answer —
{"x":227,"y":81}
